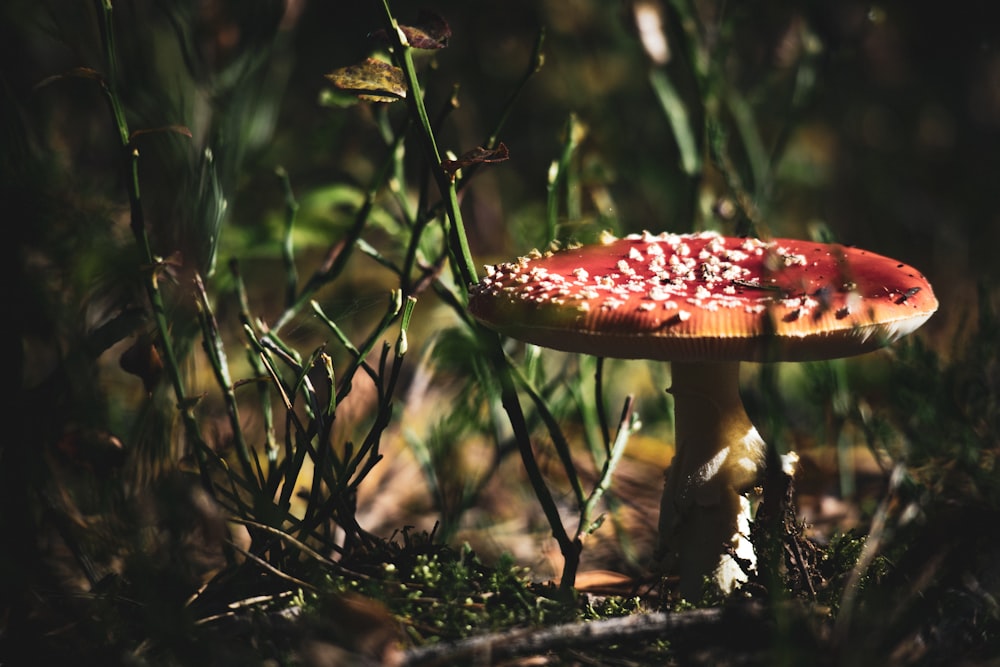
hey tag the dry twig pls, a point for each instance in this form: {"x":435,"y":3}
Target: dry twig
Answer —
{"x":493,"y":648}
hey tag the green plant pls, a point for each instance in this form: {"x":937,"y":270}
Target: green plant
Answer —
{"x":290,"y":487}
{"x":276,"y":291}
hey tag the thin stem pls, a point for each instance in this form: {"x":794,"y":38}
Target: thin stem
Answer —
{"x":217,"y":356}
{"x":559,"y":174}
{"x":465,"y":269}
{"x":357,"y":355}
{"x":340,"y":252}
{"x":569,"y":547}
{"x":263,"y":388}
{"x":287,"y":247}
{"x":877,"y":535}
{"x":680,"y":121}
{"x":130,"y":155}
{"x":558,"y":437}
{"x":625,"y":429}
{"x":534,"y":65}
{"x":456,"y":231}
{"x":602,"y":414}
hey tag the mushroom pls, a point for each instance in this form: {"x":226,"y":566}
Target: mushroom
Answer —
{"x":705,"y":303}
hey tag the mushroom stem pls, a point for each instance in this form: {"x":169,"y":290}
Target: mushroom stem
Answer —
{"x":704,"y":512}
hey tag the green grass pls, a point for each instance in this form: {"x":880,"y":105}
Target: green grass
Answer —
{"x":254,"y":419}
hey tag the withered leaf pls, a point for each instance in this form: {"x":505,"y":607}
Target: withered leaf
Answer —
{"x":371,"y":80}
{"x":477,"y":156}
{"x":80,"y":72}
{"x":143,"y":360}
{"x":428,"y":32}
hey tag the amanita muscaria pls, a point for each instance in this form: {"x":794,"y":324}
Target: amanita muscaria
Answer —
{"x":705,"y":302}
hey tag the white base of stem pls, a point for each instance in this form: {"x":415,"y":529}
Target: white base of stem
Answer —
{"x":704,"y":514}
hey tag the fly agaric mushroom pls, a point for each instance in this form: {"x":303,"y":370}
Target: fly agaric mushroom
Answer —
{"x":706,"y":302}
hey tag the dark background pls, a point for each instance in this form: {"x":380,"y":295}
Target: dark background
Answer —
{"x":882,"y":122}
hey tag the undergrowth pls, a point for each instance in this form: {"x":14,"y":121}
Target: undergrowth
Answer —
{"x":223,"y":373}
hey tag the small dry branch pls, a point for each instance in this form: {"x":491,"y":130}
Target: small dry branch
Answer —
{"x":497,"y":647}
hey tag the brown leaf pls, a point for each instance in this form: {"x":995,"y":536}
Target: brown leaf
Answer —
{"x":606,"y":582}
{"x":477,"y":156}
{"x":78,"y":72}
{"x":371,"y":80}
{"x":143,"y":360}
{"x":429,"y":31}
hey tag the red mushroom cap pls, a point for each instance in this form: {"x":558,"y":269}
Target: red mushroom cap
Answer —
{"x":705,"y":297}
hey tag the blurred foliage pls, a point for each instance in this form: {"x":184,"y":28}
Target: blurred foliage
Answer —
{"x":874,"y":124}
{"x":950,"y":414}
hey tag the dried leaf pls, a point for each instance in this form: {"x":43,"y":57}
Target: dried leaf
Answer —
{"x":143,"y":360}
{"x":371,"y":80}
{"x":429,"y":31}
{"x":76,"y":72}
{"x":477,"y":156}
{"x":605,"y":582}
